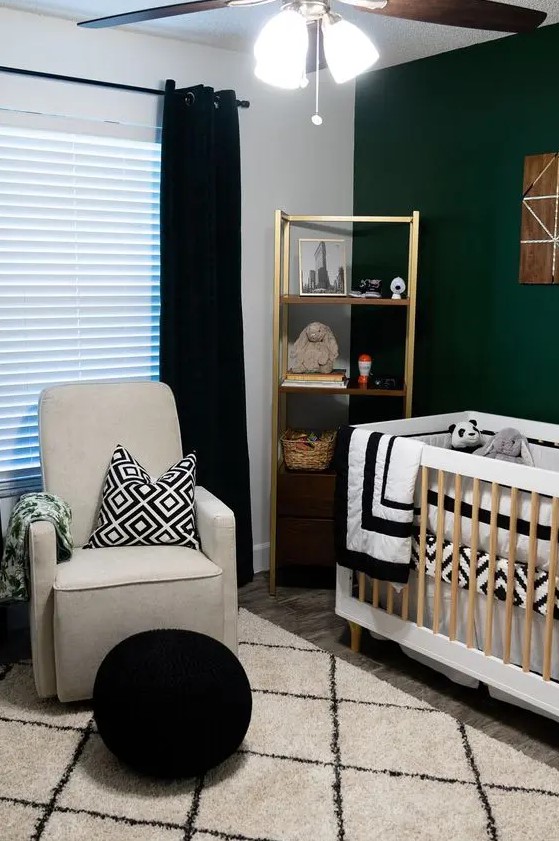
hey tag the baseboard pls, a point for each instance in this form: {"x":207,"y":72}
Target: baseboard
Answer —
{"x":261,"y":556}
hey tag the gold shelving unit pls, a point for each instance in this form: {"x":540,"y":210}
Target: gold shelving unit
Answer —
{"x":283,"y":300}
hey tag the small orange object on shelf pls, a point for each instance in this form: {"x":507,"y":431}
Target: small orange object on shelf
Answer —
{"x":365,"y":361}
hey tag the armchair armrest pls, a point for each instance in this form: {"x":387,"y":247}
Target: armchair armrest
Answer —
{"x":216,"y":527}
{"x":42,"y":568}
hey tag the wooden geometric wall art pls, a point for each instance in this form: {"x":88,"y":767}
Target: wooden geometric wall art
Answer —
{"x":539,"y":238}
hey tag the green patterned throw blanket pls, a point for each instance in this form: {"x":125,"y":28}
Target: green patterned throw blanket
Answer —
{"x":14,"y":567}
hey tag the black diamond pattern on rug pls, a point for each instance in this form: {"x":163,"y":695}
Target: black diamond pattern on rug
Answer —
{"x":332,"y":754}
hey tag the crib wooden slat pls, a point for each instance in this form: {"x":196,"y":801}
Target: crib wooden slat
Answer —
{"x":456,"y":536}
{"x":422,"y":546}
{"x":439,"y":552}
{"x":375,"y":592}
{"x":548,"y":635}
{"x":389,"y":598}
{"x":490,"y":602}
{"x":532,"y":555}
{"x":405,"y":602}
{"x":509,"y":601}
{"x":474,"y":540}
{"x":361,"y":576}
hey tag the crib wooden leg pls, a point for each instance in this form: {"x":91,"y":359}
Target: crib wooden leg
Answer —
{"x":355,"y":636}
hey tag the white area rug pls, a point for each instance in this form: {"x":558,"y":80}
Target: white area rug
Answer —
{"x":332,"y":754}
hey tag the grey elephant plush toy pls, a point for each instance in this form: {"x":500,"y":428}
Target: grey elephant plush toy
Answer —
{"x":508,"y":445}
{"x":315,"y":350}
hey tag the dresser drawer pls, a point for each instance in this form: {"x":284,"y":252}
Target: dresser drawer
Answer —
{"x":303,"y":494}
{"x":305,"y":541}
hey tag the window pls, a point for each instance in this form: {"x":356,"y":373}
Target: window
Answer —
{"x":79,"y":275}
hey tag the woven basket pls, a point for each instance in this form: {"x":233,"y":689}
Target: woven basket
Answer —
{"x":301,"y":454}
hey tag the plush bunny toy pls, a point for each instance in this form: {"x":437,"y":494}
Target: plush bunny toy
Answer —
{"x":508,"y":445}
{"x":315,"y":350}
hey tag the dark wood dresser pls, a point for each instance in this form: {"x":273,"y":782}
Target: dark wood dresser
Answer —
{"x":305,"y":518}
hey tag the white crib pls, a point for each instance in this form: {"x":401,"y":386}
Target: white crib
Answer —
{"x":470,"y":635}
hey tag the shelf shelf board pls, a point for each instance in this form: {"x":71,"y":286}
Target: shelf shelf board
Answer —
{"x":345,"y":300}
{"x":395,"y":219}
{"x":327,"y":473}
{"x":352,"y":389}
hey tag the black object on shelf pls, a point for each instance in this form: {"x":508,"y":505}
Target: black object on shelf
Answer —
{"x":388,"y":383}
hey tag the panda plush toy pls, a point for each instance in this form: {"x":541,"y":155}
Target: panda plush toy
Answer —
{"x":465,"y":436}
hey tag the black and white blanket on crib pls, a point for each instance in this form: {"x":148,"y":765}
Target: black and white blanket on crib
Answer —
{"x":375,"y":483}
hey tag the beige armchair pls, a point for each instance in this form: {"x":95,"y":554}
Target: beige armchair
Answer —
{"x":81,"y":608}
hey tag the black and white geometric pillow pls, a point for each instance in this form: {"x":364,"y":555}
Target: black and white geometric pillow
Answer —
{"x":137,"y":510}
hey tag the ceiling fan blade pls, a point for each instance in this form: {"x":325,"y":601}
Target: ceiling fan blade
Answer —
{"x":367,"y":5}
{"x":472,"y":14}
{"x":154,"y":14}
{"x":311,"y":53}
{"x":245,"y":3}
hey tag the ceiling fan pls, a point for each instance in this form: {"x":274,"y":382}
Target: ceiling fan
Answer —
{"x":282,"y":49}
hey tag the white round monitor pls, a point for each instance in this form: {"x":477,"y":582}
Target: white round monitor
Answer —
{"x":397,"y":287}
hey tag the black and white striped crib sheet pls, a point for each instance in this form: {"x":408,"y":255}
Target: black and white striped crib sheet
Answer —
{"x":482,"y":567}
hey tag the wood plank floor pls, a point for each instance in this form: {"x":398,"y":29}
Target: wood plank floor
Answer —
{"x":310,"y":614}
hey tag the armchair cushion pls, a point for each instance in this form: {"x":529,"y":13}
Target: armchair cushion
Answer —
{"x":137,"y":510}
{"x":102,"y":596}
{"x":96,"y":569}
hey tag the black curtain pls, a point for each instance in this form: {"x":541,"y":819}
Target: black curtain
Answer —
{"x":201,"y":354}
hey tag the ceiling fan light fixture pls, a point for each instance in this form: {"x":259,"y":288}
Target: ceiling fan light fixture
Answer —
{"x":278,"y":76}
{"x":281,"y":50}
{"x":347,"y":49}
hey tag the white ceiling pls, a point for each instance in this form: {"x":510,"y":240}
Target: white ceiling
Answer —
{"x":397,"y":40}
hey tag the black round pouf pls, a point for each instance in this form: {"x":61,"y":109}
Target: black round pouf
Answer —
{"x":171,"y":703}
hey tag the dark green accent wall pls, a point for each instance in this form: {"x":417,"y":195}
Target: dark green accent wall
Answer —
{"x":447,"y":136}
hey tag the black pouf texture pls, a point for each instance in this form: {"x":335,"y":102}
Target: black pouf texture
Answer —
{"x":171,"y":703}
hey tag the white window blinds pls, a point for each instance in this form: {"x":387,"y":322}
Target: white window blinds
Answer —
{"x":79,"y":275}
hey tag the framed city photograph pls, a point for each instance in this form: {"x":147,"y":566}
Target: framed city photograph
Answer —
{"x":322,"y":268}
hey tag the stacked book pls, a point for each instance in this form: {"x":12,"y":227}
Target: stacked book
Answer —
{"x":336,"y":379}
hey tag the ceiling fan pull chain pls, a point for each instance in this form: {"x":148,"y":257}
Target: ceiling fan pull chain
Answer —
{"x":316,"y":118}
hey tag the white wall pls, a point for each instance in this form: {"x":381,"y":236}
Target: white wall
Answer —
{"x":286,"y":161}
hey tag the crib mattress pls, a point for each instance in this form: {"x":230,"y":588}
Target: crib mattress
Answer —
{"x":482,"y":566}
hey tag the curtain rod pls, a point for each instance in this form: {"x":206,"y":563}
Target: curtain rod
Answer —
{"x":241,"y":103}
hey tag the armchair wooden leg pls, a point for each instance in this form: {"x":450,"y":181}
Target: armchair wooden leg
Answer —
{"x":355,"y":636}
